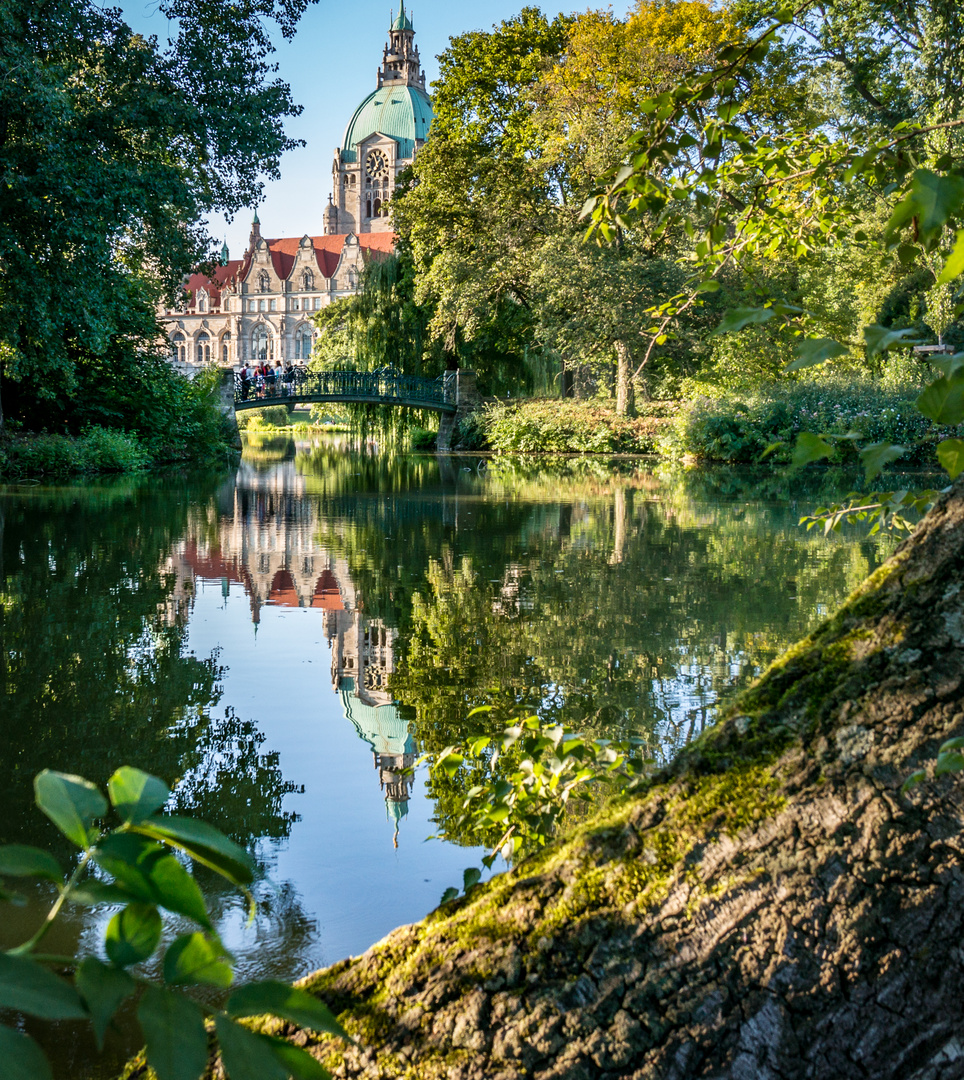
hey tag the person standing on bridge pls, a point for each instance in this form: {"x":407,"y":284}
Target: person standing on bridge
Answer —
{"x":245,"y":382}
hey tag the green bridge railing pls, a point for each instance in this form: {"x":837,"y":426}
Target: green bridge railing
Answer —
{"x":364,"y":387}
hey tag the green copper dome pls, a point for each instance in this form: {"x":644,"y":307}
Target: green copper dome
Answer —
{"x":403,"y":22}
{"x":403,"y":113}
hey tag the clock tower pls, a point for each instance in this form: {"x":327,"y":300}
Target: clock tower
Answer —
{"x":382,"y":138}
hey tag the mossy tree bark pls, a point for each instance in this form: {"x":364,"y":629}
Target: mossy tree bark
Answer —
{"x":771,"y":908}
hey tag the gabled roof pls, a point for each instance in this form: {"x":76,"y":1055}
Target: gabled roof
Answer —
{"x":327,"y":250}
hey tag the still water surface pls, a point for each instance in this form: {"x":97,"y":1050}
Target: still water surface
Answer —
{"x":282,"y":640}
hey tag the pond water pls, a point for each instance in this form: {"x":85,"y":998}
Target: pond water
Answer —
{"x":283,"y":639}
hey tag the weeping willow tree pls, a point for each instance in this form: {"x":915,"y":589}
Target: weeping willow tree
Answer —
{"x":381,"y":326}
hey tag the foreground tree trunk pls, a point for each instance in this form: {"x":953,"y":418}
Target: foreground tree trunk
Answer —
{"x":625,"y":403}
{"x":771,"y":908}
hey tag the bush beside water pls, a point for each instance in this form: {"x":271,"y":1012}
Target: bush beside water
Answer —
{"x":574,"y":427}
{"x":739,"y":429}
{"x":97,"y":450}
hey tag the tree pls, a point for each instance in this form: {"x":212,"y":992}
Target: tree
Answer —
{"x":113,"y":149}
{"x":755,"y":196}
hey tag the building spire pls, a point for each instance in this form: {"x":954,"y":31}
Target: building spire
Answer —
{"x":401,"y":63}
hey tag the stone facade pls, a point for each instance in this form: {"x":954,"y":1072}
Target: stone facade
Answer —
{"x":260,"y":307}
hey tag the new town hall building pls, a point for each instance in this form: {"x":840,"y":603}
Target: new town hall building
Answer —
{"x":259,"y":307}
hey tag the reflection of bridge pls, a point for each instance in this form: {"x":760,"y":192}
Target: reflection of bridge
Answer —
{"x":349,"y":387}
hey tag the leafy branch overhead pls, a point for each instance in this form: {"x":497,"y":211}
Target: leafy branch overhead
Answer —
{"x":748,"y":195}
{"x":142,"y":866}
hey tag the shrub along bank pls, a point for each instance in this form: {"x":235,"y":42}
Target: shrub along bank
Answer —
{"x":180,"y":421}
{"x":713,"y":425}
{"x":740,"y":428}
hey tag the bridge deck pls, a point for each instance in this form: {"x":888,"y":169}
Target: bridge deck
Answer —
{"x":355,"y":387}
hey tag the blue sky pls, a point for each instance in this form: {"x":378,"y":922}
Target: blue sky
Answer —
{"x":331,"y":66}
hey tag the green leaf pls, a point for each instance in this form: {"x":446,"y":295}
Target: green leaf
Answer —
{"x":22,"y":1058}
{"x":132,"y":935}
{"x":32,"y":989}
{"x":136,"y":795}
{"x":949,"y":763}
{"x":913,"y":780}
{"x":451,"y":893}
{"x":449,"y":762}
{"x":92,"y":893}
{"x":739,"y":317}
{"x":470,"y":878}
{"x":954,"y":266}
{"x":809,"y":447}
{"x":952,"y":744}
{"x":153,"y":874}
{"x":881,"y":338}
{"x":708,"y":286}
{"x":72,"y":804}
{"x":18,"y":860}
{"x":191,"y":959}
{"x":289,"y":1002}
{"x":950,"y":453}
{"x":877,"y":455}
{"x":247,"y":1056}
{"x":204,"y":843}
{"x":932,"y":200}
{"x":948,"y":365}
{"x":812,"y":351}
{"x":943,"y":400}
{"x":173,"y":1027}
{"x":299,"y":1063}
{"x":103,"y":988}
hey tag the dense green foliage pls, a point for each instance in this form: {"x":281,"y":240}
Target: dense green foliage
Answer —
{"x":741,"y":427}
{"x":113,"y":150}
{"x":566,"y":427}
{"x":135,"y":857}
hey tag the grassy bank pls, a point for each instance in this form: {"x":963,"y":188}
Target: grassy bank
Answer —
{"x":712,"y":425}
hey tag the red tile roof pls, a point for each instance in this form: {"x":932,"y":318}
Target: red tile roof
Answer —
{"x":328,"y":251}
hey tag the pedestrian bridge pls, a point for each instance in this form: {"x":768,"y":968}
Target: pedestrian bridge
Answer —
{"x":355,"y":387}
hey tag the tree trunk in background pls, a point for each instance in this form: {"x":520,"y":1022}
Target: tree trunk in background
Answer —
{"x":773,"y":907}
{"x":625,"y":405}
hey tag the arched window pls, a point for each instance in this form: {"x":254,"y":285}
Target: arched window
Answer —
{"x":202,"y":304}
{"x":303,"y":343}
{"x":368,"y":208}
{"x":177,"y":348}
{"x":352,"y":277}
{"x":352,"y":180}
{"x":203,"y":348}
{"x":261,"y":344}
{"x":307,"y":280}
{"x":378,"y":208}
{"x":225,"y":348}
{"x":264,"y":282}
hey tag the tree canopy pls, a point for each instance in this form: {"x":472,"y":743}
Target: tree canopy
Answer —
{"x":114,"y":148}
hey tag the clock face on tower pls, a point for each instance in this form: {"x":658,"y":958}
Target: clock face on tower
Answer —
{"x":376,"y":165}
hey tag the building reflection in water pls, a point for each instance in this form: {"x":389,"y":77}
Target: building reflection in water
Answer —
{"x":263,"y":539}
